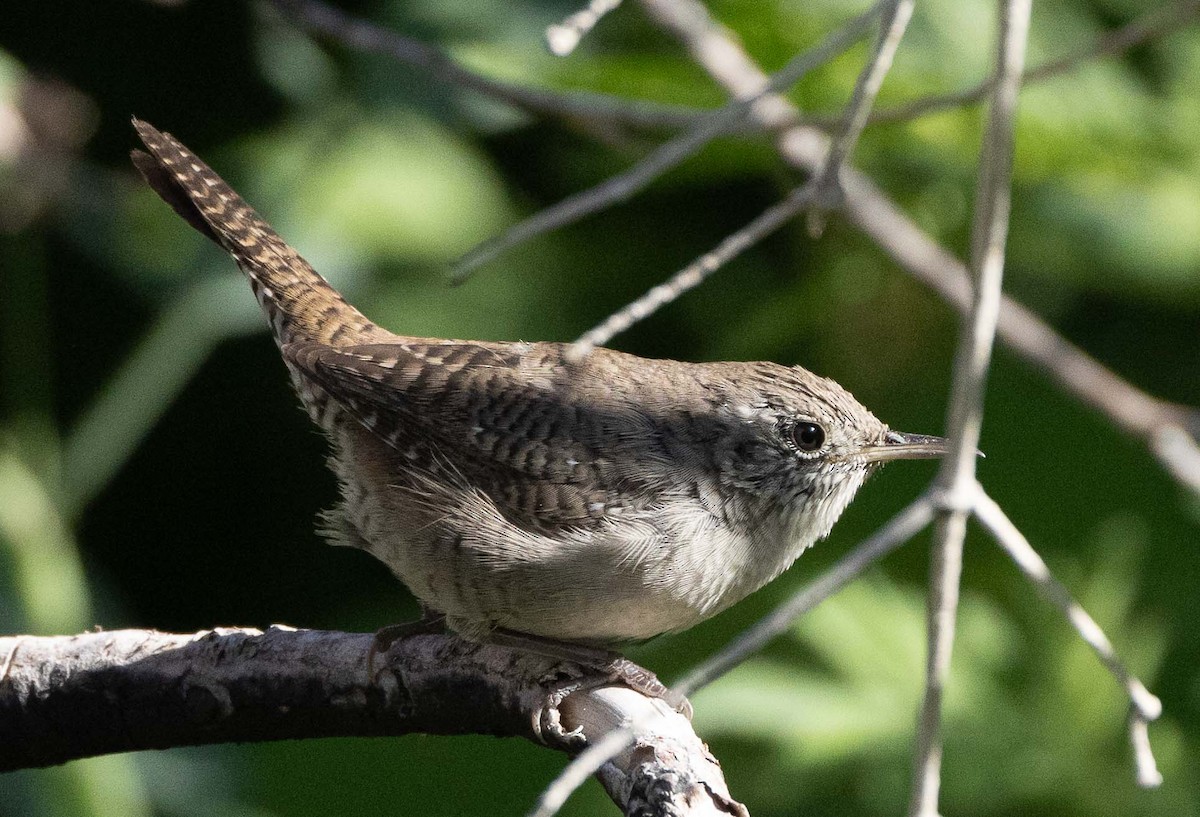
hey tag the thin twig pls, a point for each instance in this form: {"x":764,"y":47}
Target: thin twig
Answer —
{"x":945,"y":572}
{"x":1177,"y":450}
{"x":666,"y":156}
{"x":562,"y":37}
{"x":1148,"y":775}
{"x":1144,"y":705}
{"x":898,"y":530}
{"x":582,"y":766}
{"x":1014,"y":543}
{"x":870,"y":79}
{"x":1150,"y":25}
{"x":353,"y":32}
{"x":988,"y":236}
{"x":719,"y":53}
{"x":965,"y":416}
{"x":694,"y":273}
{"x":8,"y":659}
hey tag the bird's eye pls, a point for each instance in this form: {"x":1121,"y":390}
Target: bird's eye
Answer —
{"x":808,"y":436}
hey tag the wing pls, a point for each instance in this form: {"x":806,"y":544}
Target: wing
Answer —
{"x":512,"y":419}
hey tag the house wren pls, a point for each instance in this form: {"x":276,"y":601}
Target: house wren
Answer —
{"x":593,"y":502}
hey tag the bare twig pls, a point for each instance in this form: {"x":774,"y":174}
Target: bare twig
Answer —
{"x":694,"y":273}
{"x":717,"y":51}
{"x":965,"y":417}
{"x":68,"y":697}
{"x":870,"y":79}
{"x":353,"y":32}
{"x":819,"y":189}
{"x":1150,"y":25}
{"x":1014,"y":543}
{"x":584,"y":765}
{"x":945,"y":571}
{"x":666,"y":156}
{"x":827,"y":180}
{"x":8,"y":659}
{"x":563,"y":37}
{"x":1148,"y":775}
{"x":1176,"y":448}
{"x":1144,"y":705}
{"x":894,"y":23}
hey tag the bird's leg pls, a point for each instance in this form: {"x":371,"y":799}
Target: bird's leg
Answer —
{"x":610,"y":666}
{"x":429,"y":623}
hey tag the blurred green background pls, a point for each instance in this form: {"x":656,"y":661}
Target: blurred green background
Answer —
{"x":155,"y":471}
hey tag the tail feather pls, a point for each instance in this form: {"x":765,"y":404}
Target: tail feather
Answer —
{"x":299,"y":303}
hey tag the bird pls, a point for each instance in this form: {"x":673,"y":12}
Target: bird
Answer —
{"x":516,"y":490}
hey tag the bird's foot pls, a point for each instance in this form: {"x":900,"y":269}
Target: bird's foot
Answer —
{"x":606,"y":667}
{"x":637,"y":677}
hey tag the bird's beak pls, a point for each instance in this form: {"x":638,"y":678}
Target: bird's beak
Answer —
{"x":899,"y":446}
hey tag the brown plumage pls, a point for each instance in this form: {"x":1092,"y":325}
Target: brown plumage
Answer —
{"x":603,"y":501}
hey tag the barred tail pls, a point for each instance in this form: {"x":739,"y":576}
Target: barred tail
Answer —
{"x":300,"y":304}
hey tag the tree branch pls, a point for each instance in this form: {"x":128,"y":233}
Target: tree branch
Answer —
{"x":68,"y":697}
{"x":823,"y":189}
{"x":320,"y":18}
